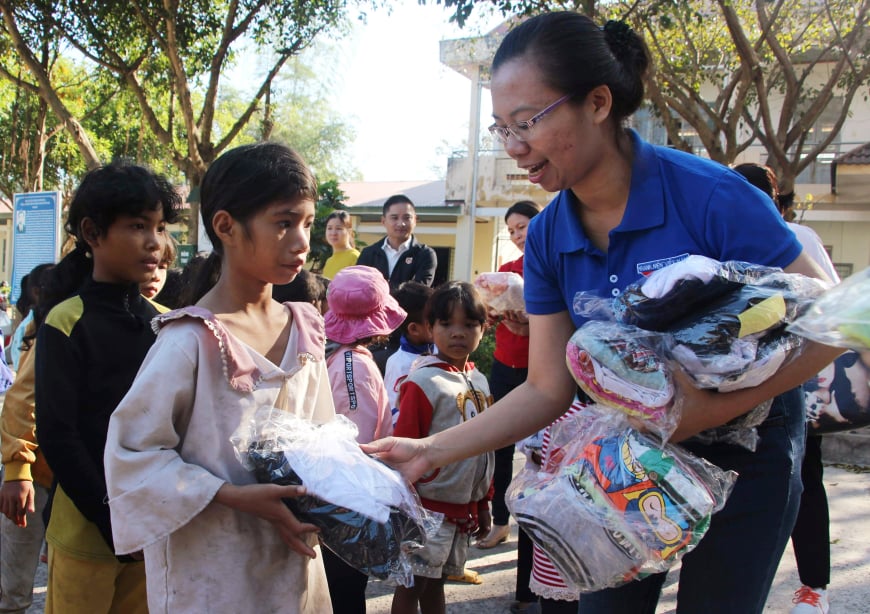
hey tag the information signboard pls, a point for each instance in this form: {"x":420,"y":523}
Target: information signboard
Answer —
{"x":35,"y":234}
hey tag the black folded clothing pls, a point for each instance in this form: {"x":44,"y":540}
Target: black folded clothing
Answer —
{"x":687,"y":296}
{"x":363,"y":543}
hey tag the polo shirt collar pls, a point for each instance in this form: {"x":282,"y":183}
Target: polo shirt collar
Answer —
{"x":646,"y":203}
{"x":645,"y":208}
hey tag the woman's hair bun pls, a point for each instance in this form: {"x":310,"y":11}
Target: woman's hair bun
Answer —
{"x":624,"y":43}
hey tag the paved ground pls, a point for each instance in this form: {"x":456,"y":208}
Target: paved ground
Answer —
{"x":849,"y":494}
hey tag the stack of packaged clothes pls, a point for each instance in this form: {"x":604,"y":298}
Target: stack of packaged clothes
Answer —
{"x":613,"y":504}
{"x":616,"y":501}
{"x":723,"y":323}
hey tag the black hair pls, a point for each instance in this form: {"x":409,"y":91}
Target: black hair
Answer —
{"x":190,"y":273}
{"x":25,"y":300}
{"x":170,"y":294}
{"x":305,"y":288}
{"x":574,"y":56}
{"x":35,"y":283}
{"x":396,"y":199}
{"x":526,"y":208}
{"x":243,"y":181}
{"x":412,"y":297}
{"x":763,"y":178}
{"x":448,"y":295}
{"x":104,"y":195}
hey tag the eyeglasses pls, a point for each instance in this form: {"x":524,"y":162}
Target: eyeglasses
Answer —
{"x":521,"y":130}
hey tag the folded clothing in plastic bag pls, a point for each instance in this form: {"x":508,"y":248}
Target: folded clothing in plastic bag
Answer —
{"x":683,"y":288}
{"x":367,"y":513}
{"x":501,"y":291}
{"x":724,"y":323}
{"x":616,"y":366}
{"x":722,"y":340}
{"x":372,"y":547}
{"x":618,"y":505}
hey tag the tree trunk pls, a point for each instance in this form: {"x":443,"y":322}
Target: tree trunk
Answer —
{"x":79,"y":136}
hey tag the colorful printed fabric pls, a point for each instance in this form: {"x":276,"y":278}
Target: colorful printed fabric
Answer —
{"x":617,"y":507}
{"x":614,"y":365}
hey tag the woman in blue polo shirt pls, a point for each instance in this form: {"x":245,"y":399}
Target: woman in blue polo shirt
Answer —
{"x":562,"y":89}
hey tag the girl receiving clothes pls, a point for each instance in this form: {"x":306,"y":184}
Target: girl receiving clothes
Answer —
{"x":213,"y":539}
{"x":360,"y":310}
{"x":442,"y":391}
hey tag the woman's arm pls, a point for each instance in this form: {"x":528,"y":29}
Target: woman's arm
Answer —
{"x":544,"y":396}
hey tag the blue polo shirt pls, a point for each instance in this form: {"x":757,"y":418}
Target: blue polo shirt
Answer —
{"x":678,"y":205}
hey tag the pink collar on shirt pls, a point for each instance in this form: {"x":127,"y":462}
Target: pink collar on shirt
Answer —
{"x":239,"y":366}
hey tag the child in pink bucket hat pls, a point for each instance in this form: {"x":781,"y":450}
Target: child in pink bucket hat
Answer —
{"x":361,"y":311}
{"x":360,"y":306}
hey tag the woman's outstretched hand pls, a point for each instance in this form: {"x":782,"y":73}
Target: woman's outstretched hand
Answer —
{"x":407,"y":456}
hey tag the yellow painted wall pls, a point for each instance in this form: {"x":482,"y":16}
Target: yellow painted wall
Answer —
{"x":849,"y":241}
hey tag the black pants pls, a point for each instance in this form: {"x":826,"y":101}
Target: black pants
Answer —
{"x":503,"y":379}
{"x":347,"y":586}
{"x":811,"y":536}
{"x":552,"y":606}
{"x":524,"y":568}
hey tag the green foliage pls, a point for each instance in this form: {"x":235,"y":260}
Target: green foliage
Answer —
{"x":169,"y":60}
{"x":301,"y":115}
{"x":482,"y":356}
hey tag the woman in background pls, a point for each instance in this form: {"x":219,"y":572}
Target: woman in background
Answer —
{"x":339,"y":235}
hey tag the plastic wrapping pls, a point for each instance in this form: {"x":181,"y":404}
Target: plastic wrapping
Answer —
{"x":501,"y":291}
{"x":841,"y":316}
{"x":617,"y":366}
{"x":724,"y":323}
{"x":743,"y":330}
{"x":367,"y":514}
{"x":681,"y":289}
{"x":613,"y":504}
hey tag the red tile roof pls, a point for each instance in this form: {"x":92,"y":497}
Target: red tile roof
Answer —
{"x":859,"y":155}
{"x":423,"y":192}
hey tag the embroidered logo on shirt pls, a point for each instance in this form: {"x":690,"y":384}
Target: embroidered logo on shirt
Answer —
{"x":651,"y":266}
{"x":409,"y":260}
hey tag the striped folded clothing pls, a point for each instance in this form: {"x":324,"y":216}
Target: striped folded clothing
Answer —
{"x":618,"y":507}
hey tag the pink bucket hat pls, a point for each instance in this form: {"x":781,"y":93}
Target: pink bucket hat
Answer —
{"x":360,"y":305}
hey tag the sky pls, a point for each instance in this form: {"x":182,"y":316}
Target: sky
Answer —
{"x":409,"y":111}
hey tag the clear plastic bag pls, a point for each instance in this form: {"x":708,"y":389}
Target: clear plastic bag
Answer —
{"x":669,"y":294}
{"x":617,"y":365}
{"x":501,"y":291}
{"x":613,"y":504}
{"x":841,"y":316}
{"x":366,"y":512}
{"x":725,"y":324}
